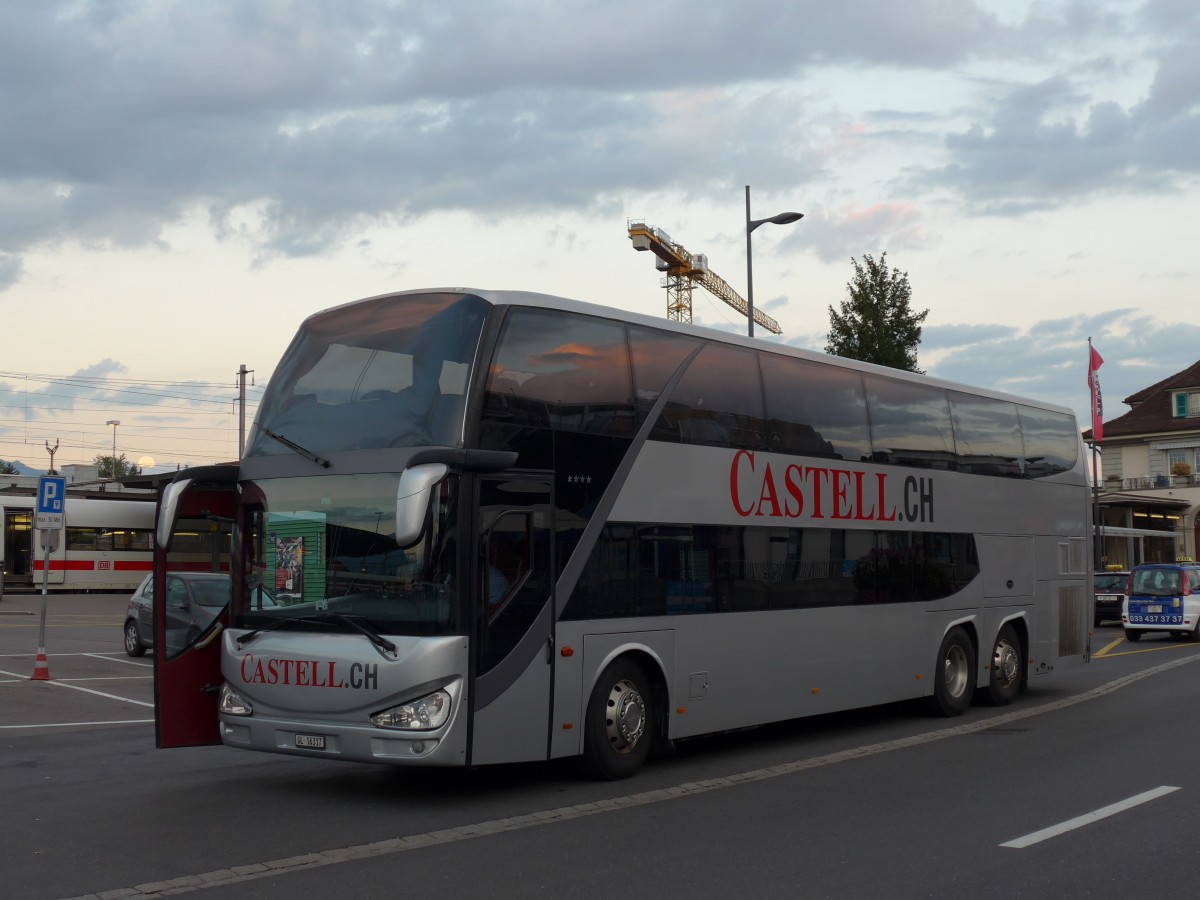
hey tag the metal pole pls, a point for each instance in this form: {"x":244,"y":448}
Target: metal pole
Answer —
{"x":241,"y":410}
{"x":1097,"y":524}
{"x":45,"y":585}
{"x":749,"y":270}
{"x":41,"y":668}
{"x":114,"y":423}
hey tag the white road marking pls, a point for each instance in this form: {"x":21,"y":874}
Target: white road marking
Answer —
{"x":115,"y":657}
{"x":185,"y":884}
{"x":76,"y":687}
{"x":1088,"y":818}
{"x":73,"y":724}
{"x":119,"y":659}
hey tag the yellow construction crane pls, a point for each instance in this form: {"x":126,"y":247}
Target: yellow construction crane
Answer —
{"x":684,"y":269}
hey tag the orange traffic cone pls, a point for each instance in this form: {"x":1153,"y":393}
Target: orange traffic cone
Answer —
{"x":41,"y":668}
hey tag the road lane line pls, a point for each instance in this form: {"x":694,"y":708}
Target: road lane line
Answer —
{"x":1100,"y":653}
{"x":73,"y":724}
{"x":76,"y":687}
{"x":1037,"y":837}
{"x":115,"y":655}
{"x":185,"y":884}
{"x":119,"y":659}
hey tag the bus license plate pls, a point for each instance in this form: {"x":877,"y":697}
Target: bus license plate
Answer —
{"x":1155,"y":608}
{"x":311,"y":741}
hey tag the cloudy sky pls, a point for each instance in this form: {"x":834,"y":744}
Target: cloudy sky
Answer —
{"x":181,"y":183}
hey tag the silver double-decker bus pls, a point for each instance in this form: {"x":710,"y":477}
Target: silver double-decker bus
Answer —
{"x":475,"y":527}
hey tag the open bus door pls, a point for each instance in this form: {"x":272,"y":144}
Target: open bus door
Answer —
{"x":192,"y":534}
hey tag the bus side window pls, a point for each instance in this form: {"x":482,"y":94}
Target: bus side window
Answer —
{"x":563,"y":371}
{"x":910,"y":424}
{"x":655,"y":356}
{"x":987,"y":435}
{"x":718,"y":401}
{"x":814,"y":409}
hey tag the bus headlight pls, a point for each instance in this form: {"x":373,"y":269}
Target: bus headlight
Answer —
{"x":425,"y":714}
{"x":233,"y":703}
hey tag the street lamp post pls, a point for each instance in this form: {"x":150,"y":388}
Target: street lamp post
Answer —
{"x":782,"y":219}
{"x":114,"y":423}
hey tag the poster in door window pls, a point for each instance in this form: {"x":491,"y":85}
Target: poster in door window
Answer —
{"x":289,"y":568}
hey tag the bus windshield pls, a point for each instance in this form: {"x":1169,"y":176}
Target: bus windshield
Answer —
{"x":388,"y":372}
{"x":323,"y":548}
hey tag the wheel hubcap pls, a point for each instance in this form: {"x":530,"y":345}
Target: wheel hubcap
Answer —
{"x":625,"y":717}
{"x":1005,"y":664}
{"x":955,"y":671}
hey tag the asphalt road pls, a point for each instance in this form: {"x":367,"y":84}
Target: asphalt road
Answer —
{"x":1083,"y":788}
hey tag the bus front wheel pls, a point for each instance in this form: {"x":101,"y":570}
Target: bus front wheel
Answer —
{"x":954,"y":679}
{"x":1007,"y":669}
{"x":620,"y":723}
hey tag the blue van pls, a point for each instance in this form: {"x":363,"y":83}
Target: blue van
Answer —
{"x":1162,"y":597}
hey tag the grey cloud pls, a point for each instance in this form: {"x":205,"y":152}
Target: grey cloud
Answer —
{"x":838,"y":234}
{"x":10,"y":270}
{"x":120,"y":118}
{"x":937,"y":337}
{"x":1170,"y":16}
{"x":1050,"y":143}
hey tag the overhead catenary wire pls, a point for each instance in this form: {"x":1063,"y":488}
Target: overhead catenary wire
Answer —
{"x":170,"y":421}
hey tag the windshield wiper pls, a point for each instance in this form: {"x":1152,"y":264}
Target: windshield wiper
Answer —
{"x":354,"y":622}
{"x":292,"y":445}
{"x":278,"y":623}
{"x":359,"y":624}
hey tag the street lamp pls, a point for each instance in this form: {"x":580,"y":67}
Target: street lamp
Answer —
{"x":782,"y":219}
{"x":114,"y":423}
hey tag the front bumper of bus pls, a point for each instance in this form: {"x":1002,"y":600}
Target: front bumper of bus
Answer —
{"x":351,"y":741}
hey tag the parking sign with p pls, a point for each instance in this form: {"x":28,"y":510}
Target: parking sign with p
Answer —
{"x":51,"y":502}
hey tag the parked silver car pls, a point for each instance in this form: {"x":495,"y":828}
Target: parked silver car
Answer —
{"x":194,"y":599}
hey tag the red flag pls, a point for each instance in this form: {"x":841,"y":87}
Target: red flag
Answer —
{"x":1095,"y":361}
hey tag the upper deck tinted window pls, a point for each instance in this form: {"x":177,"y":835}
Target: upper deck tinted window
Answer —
{"x":1051,"y":441}
{"x":910,"y":423}
{"x":563,"y":371}
{"x":656,"y":356}
{"x":718,"y":401}
{"x":987,"y":435}
{"x":814,"y":409}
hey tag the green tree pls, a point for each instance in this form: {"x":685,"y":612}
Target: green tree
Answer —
{"x":877,"y":324}
{"x":7,"y":468}
{"x":104,"y":463}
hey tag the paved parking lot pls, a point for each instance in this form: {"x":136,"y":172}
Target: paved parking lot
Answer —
{"x":92,"y":682}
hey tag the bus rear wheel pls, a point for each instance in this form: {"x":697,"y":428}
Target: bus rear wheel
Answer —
{"x":1007,"y":669}
{"x":954,"y":677}
{"x":620,"y":723}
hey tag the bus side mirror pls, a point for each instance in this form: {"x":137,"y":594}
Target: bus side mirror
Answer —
{"x":168,"y":512}
{"x":412,"y":500}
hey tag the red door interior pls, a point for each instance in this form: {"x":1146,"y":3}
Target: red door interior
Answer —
{"x":187,"y":642}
